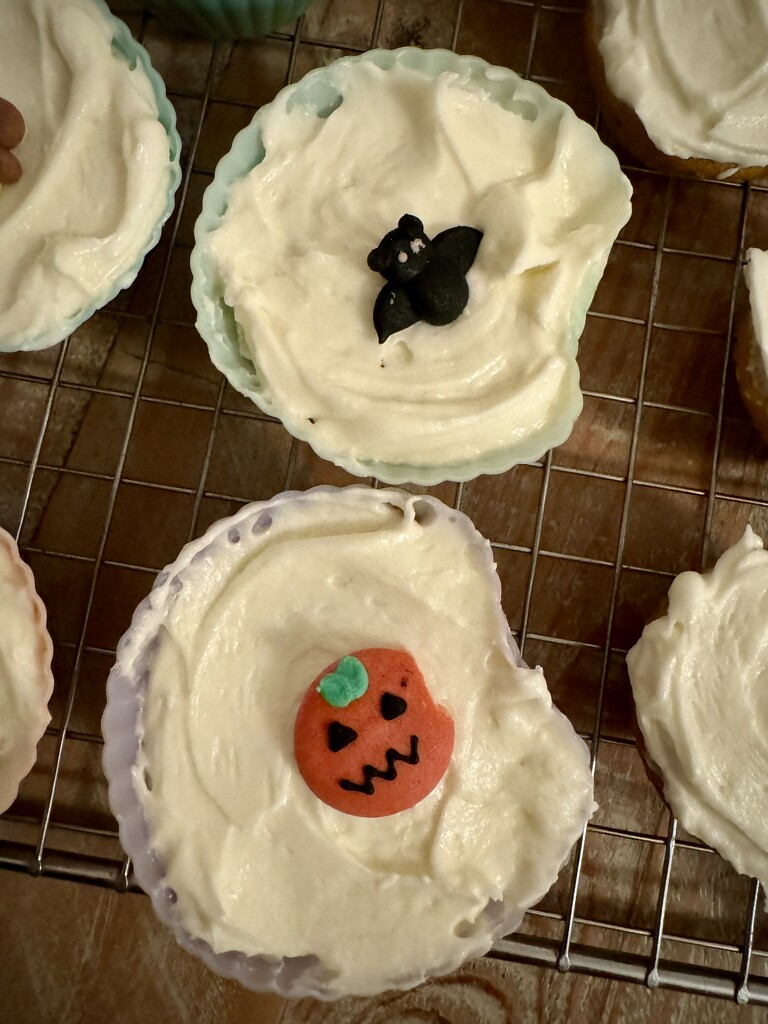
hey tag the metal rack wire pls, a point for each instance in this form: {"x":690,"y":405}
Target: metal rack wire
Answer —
{"x":39,"y":837}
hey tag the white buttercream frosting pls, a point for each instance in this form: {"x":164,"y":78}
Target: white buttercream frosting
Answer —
{"x":25,"y":671}
{"x":230,"y":641}
{"x":700,"y":682}
{"x":499,"y":384}
{"x":95,"y":159}
{"x":695,"y":72}
{"x":756,"y":276}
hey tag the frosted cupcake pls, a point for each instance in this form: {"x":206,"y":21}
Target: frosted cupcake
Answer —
{"x":226,"y":19}
{"x":99,"y":164}
{"x":328,"y":210}
{"x":26,"y":682}
{"x":332,"y":769}
{"x":699,"y":678}
{"x":684,"y":83}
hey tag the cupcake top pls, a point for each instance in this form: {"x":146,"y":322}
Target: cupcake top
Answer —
{"x":695,"y":72}
{"x":756,"y":276}
{"x":699,"y":677}
{"x":97,"y":169}
{"x":340,"y":159}
{"x":343,"y":646}
{"x":25,"y":670}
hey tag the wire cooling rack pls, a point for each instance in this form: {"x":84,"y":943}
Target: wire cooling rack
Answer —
{"x":121,"y":444}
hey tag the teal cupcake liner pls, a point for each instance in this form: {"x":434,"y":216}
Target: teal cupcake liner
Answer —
{"x":216,"y":321}
{"x":226,"y":19}
{"x":133,"y":53}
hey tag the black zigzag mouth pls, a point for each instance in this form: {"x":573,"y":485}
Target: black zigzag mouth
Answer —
{"x":370,"y":773}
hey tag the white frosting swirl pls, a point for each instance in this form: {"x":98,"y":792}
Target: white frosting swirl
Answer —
{"x":500,"y":384}
{"x":700,"y":682}
{"x":257,"y":862}
{"x":695,"y":72}
{"x":96,"y":165}
{"x":25,"y":670}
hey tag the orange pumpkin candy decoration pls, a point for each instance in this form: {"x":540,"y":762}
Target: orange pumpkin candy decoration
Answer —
{"x":369,"y":739}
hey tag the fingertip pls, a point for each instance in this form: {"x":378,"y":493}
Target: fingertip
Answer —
{"x":10,"y":168}
{"x":12,"y":127}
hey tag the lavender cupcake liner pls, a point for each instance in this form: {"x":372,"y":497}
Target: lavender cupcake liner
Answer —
{"x":122,"y":728}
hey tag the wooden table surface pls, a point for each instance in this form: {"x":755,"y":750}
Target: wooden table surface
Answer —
{"x":143,"y":446}
{"x":75,"y":954}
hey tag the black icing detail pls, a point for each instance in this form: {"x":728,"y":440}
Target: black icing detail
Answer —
{"x":392,"y":706}
{"x":393,"y":312}
{"x":426,"y":277}
{"x":340,"y":736}
{"x":370,"y":773}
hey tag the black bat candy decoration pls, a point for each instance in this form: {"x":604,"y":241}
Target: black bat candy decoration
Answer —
{"x":426,"y":278}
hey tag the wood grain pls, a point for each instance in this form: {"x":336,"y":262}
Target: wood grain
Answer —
{"x":72,"y":954}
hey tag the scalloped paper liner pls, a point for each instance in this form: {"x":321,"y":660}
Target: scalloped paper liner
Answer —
{"x":221,"y":333}
{"x":127,"y":48}
{"x":121,"y":725}
{"x":12,"y":774}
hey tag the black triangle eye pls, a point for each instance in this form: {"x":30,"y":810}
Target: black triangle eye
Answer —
{"x":340,"y":736}
{"x":392,"y":706}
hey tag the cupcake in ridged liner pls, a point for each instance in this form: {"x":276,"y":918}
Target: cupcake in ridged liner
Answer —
{"x":699,"y":678}
{"x":751,"y":351}
{"x":683,"y":85}
{"x":99,"y":166}
{"x":226,"y":19}
{"x":396,"y":258}
{"x":332,"y":769}
{"x":26,"y":681}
